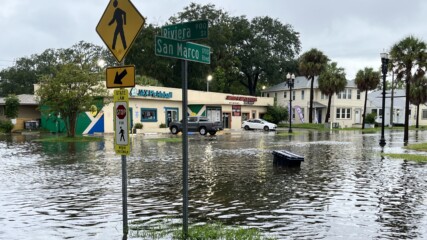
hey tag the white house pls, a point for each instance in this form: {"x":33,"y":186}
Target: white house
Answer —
{"x":346,"y":106}
{"x":374,"y":105}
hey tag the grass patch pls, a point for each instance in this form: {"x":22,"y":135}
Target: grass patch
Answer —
{"x":66,"y":139}
{"x":212,"y":231}
{"x":409,"y":157}
{"x":418,"y":147}
{"x":304,"y":125}
{"x":370,"y":130}
{"x":169,"y":140}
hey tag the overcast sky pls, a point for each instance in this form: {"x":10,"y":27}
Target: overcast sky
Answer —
{"x":352,"y":33}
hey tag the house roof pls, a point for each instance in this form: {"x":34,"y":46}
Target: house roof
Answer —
{"x":302,"y":83}
{"x":399,"y":98}
{"x":24,"y":99}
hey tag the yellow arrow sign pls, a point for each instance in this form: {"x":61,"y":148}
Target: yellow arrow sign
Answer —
{"x":119,"y":77}
{"x":119,"y":26}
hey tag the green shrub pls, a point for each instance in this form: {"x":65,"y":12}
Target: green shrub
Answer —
{"x":162,"y":125}
{"x":138,"y":126}
{"x":6,"y":126}
{"x":276,"y":114}
{"x":370,"y":118}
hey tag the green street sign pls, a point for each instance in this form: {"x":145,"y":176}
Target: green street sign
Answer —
{"x":166,"y":47}
{"x":186,"y":31}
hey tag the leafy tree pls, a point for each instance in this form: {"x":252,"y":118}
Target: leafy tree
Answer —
{"x":332,"y":81}
{"x":265,"y":48}
{"x":410,"y":61}
{"x":247,"y":52}
{"x":69,"y":91}
{"x":11,"y":106}
{"x":20,"y":78}
{"x":147,"y":81}
{"x":418,"y":95}
{"x":366,"y":80}
{"x":221,"y":42}
{"x":142,"y":55}
{"x":312,"y":63}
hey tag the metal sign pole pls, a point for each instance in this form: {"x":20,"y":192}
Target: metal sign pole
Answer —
{"x":125,"y":186}
{"x":184,"y":68}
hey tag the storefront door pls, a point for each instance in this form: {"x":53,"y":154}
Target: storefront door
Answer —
{"x":171,"y":115}
{"x":226,"y":119}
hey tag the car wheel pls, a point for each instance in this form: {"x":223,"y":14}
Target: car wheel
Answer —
{"x":174,"y":130}
{"x":202,"y":131}
{"x":266,"y":128}
{"x":246,"y":127}
{"x":212,"y":133}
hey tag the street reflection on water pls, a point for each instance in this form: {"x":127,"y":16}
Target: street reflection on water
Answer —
{"x":343,"y":189}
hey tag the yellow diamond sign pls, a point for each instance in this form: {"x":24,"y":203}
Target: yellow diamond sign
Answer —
{"x":119,"y":26}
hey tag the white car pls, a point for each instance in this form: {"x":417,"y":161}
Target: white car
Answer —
{"x":258,"y":124}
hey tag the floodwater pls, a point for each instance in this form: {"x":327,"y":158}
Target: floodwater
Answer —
{"x":343,"y":190}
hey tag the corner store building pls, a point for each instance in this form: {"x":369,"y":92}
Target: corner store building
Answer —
{"x":153,"y":106}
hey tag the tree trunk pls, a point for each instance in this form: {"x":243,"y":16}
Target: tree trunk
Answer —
{"x":310,"y":113}
{"x":328,"y":111}
{"x":72,"y":127}
{"x":418,"y":116}
{"x":406,"y":129}
{"x":364,"y":110}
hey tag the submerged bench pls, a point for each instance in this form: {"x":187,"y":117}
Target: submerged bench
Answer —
{"x":286,"y":158}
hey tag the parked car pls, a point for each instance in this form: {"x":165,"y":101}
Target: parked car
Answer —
{"x":258,"y":124}
{"x":197,"y":124}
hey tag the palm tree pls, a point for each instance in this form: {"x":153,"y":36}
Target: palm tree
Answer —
{"x":410,"y":59}
{"x":332,"y":81}
{"x":312,"y":63}
{"x":418,"y":95}
{"x":367,"y":80}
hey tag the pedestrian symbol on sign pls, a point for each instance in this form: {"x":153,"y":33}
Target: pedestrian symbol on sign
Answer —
{"x":120,"y":18}
{"x":122,"y":134}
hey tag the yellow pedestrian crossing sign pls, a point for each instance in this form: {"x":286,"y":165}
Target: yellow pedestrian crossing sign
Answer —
{"x":119,"y":26}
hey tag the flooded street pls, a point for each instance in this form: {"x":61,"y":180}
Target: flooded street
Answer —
{"x":343,"y":190}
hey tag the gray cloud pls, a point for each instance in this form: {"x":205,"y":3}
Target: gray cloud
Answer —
{"x":352,"y":33}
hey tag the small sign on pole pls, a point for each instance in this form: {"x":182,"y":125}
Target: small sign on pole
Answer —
{"x":166,"y":47}
{"x":121,"y":122}
{"x":186,"y":31}
{"x":120,"y":77}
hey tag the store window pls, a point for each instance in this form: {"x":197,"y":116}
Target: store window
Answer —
{"x":302,"y":94}
{"x":148,"y":115}
{"x":358,"y":94}
{"x":293,"y":95}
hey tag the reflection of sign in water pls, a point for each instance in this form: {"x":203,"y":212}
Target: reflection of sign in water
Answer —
{"x":300,"y":113}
